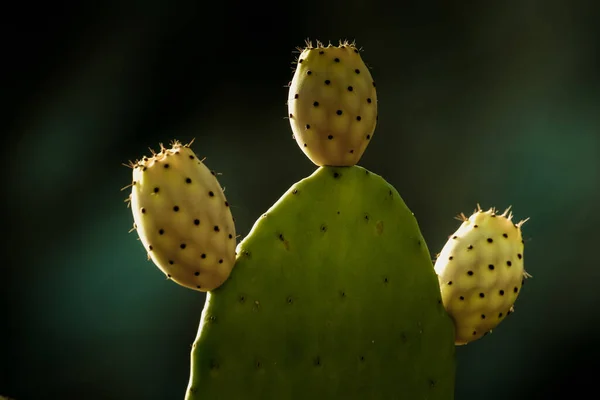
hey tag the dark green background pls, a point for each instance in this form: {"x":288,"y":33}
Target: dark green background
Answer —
{"x":497,"y":104}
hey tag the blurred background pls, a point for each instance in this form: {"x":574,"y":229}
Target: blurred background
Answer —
{"x":478,"y":102}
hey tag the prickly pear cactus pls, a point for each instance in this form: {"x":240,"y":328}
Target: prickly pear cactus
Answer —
{"x":333,"y":293}
{"x":333,"y":296}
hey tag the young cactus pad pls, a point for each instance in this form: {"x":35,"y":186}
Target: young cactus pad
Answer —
{"x":332,"y":104}
{"x":182,"y":218}
{"x":333,"y":296}
{"x":481,"y":272}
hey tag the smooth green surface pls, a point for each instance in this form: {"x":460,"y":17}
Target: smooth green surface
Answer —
{"x":333,"y":296}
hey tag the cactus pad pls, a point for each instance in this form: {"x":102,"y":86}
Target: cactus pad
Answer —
{"x":332,"y":104}
{"x":182,"y":218}
{"x":481,"y":272}
{"x":333,"y":296}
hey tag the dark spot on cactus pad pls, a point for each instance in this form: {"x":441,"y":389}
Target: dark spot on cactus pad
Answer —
{"x":308,"y":72}
{"x":166,"y":166}
{"x":449,"y":282}
{"x":197,"y":273}
{"x":454,"y":237}
{"x":327,"y":81}
{"x":432,"y":383}
{"x":351,"y":151}
{"x":156,"y":190}
{"x":134,"y":182}
{"x":198,"y":287}
{"x":176,"y":208}
{"x":321,"y":52}
{"x":230,"y":236}
{"x":470,"y":247}
{"x":213,"y":365}
{"x":357,"y":71}
{"x":386,"y":280}
{"x":490,"y":240}
{"x":220,"y":261}
{"x":150,"y":247}
{"x":501,"y":292}
{"x":329,"y":137}
{"x":350,"y":88}
{"x":474,"y":333}
{"x":374,"y":84}
{"x":516,"y":289}
{"x":203,"y":255}
{"x":291,"y":115}
{"x":356,"y":51}
{"x":182,"y":245}
{"x":358,"y":117}
{"x":470,"y":273}
{"x":338,"y":213}
{"x":216,"y":228}
{"x":500,"y":315}
{"x":305,"y":145}
{"x":196,"y":222}
{"x":505,"y":235}
{"x":295,"y":191}
{"x":366,"y":217}
{"x":145,"y":168}
{"x":323,"y":228}
{"x":509,"y":263}
{"x":300,"y":61}
{"x":482,"y":295}
{"x":369,"y":100}
{"x":307,"y":126}
{"x":242,"y":298}
{"x":226,"y":204}
{"x":191,"y":157}
{"x":188,"y":180}
{"x":316,"y":104}
{"x":168,"y":276}
{"x":522,"y":241}
{"x":362,"y":358}
{"x":211,"y":194}
{"x":296,"y":96}
{"x":281,"y":237}
{"x":339,"y":112}
{"x":450,"y":258}
{"x":171,"y":262}
{"x":491,"y":267}
{"x":475,"y":226}
{"x":143,"y":210}
{"x":317,"y":361}
{"x":519,"y":256}
{"x":213,"y":173}
{"x":257,"y":364}
{"x":368,"y":137}
{"x":482,"y":316}
{"x":161,"y":231}
{"x":289,"y":300}
{"x":336,"y":175}
{"x":462,"y":297}
{"x":336,"y":59}
{"x":342,"y":294}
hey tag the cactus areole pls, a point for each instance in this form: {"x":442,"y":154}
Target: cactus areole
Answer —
{"x":333,"y":294}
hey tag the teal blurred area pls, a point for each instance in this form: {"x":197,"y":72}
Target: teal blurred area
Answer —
{"x":490,"y":103}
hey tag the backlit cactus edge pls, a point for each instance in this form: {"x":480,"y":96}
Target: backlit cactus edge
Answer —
{"x":333,"y":293}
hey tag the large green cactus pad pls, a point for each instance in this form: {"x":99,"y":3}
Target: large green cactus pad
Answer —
{"x":333,"y":296}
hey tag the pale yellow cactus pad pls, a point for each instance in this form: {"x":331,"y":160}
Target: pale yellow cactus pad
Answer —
{"x":182,"y":218}
{"x":332,"y":104}
{"x":481,"y":272}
